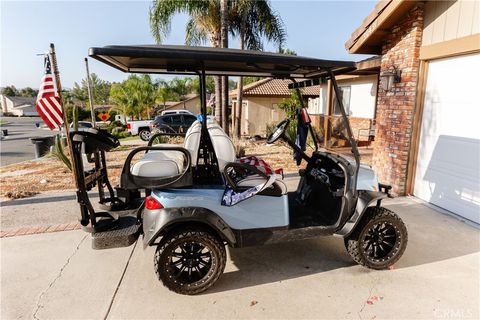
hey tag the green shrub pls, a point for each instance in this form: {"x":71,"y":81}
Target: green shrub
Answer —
{"x":116,"y":124}
{"x":59,"y":152}
{"x":120,"y":134}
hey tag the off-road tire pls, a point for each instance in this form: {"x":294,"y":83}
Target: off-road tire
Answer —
{"x":164,"y":254}
{"x":144,"y":134}
{"x":355,"y":243}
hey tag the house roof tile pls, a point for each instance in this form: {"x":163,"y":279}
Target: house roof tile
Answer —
{"x":274,"y":87}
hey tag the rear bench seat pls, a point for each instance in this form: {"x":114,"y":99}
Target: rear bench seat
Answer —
{"x":170,"y":163}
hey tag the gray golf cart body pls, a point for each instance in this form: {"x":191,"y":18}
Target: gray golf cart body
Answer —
{"x":192,"y":196}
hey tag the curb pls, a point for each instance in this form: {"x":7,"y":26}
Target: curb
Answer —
{"x":39,"y":230}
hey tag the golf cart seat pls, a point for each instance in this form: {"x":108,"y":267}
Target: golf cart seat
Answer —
{"x":158,"y":164}
{"x":168,"y":163}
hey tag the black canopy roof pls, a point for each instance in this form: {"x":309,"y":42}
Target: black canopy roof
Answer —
{"x":189,"y":60}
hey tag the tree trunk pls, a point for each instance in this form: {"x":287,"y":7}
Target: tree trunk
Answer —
{"x":215,"y":41}
{"x":238,"y":109}
{"x":218,"y":99}
{"x":224,"y":41}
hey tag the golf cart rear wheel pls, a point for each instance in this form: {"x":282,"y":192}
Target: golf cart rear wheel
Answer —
{"x":379,"y":240}
{"x":190,"y":261}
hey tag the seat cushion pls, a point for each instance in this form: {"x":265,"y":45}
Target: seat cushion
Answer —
{"x":157,"y":164}
{"x":223,"y":145}
{"x":155,"y":168}
{"x":177,"y":156}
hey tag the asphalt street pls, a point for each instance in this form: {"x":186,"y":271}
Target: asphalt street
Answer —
{"x":17,"y":147}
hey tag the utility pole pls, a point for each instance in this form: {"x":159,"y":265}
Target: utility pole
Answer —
{"x":90,"y":95}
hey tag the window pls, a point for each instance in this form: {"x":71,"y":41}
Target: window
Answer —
{"x":345,"y":96}
{"x":188,"y":119}
{"x":177,"y":119}
{"x":167,"y":119}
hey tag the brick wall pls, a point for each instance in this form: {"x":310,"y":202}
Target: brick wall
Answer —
{"x":395,"y":108}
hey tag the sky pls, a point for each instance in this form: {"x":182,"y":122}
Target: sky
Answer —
{"x":314,"y":28}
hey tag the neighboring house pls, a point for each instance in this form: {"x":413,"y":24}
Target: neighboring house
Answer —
{"x":18,"y":106}
{"x":261,"y":98}
{"x":427,"y":139}
{"x":191,"y":103}
{"x":359,"y":91}
{"x":260,"y":104}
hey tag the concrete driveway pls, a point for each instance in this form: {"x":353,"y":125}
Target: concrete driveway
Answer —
{"x":17,"y":147}
{"x":58,"y":275}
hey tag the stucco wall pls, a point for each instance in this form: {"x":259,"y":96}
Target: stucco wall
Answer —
{"x":259,"y":113}
{"x":362,"y":97}
{"x":192,"y":105}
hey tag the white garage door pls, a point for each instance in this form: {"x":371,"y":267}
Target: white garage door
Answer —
{"x":448,"y":164}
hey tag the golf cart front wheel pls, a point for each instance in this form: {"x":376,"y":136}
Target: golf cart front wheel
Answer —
{"x":190,"y":261}
{"x":379,"y":240}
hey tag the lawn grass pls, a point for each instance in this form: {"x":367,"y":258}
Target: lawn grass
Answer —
{"x":129,"y":138}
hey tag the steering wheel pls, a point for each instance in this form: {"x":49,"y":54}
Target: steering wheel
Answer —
{"x":279,"y":131}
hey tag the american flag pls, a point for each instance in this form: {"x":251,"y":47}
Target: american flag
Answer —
{"x":48,"y":102}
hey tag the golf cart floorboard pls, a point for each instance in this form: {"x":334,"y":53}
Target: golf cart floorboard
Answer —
{"x":123,"y":232}
{"x":302,"y":216}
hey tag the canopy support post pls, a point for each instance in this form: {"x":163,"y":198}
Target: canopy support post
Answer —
{"x":353,"y":143}
{"x":207,"y":171}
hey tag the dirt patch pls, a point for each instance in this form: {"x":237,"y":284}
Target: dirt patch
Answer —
{"x":49,"y":174}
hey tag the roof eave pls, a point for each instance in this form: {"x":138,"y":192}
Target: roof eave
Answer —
{"x":368,"y":38}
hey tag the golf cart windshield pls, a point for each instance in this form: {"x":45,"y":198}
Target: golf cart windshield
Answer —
{"x":203,"y":61}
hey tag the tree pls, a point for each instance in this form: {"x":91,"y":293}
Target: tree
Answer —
{"x":28,"y":92}
{"x":80,"y":93}
{"x":209,"y":85}
{"x":287,"y":51}
{"x":181,"y":87}
{"x":203,"y":25}
{"x":10,"y":91}
{"x":252,"y":21}
{"x":224,"y":44}
{"x":120,"y":98}
{"x":144,"y":93}
{"x":101,"y":90}
{"x":164,"y":93}
{"x":256,"y":17}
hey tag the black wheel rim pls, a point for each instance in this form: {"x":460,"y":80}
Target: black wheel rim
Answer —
{"x":381,"y":241}
{"x":189,"y":262}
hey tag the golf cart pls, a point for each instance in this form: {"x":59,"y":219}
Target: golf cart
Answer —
{"x":176,"y":196}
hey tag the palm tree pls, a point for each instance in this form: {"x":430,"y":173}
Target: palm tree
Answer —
{"x":164,"y":93}
{"x":224,"y":44}
{"x":133,"y":96}
{"x":250,"y":19}
{"x":203,"y":25}
{"x":120,"y":98}
{"x":144,"y":92}
{"x":253,"y":20}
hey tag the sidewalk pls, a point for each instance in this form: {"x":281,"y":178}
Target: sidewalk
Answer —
{"x":44,"y":212}
{"x":58,"y":275}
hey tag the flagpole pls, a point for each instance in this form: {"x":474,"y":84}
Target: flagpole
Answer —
{"x":90,"y":94}
{"x":64,"y":112}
